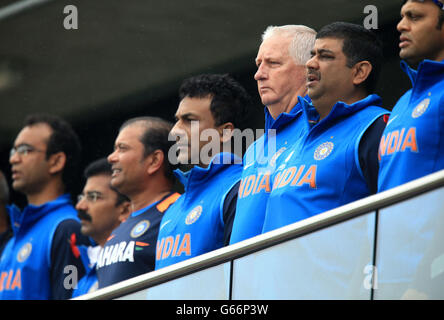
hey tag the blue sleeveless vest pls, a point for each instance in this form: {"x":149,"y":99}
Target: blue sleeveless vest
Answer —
{"x":194,"y":224}
{"x":322,"y":171}
{"x":26,"y":260}
{"x":412,"y":145}
{"x":258,"y":165}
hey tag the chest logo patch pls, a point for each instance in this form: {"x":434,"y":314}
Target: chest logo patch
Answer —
{"x":193,"y":215}
{"x":140,"y":228}
{"x":323,"y":151}
{"x":421,"y":108}
{"x":24,"y":252}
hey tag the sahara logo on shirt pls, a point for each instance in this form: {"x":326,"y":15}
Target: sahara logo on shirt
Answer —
{"x":119,"y":252}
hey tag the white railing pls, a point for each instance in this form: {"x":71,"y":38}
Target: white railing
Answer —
{"x":346,"y":253}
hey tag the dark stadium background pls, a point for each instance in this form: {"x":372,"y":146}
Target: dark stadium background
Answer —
{"x":128,"y":58}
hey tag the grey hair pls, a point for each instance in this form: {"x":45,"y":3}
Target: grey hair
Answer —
{"x":303,"y":39}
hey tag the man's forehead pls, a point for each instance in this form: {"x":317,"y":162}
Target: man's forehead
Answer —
{"x":131,"y":132}
{"x":39,"y":132}
{"x":330,"y":44}
{"x":275,"y":45}
{"x":194,"y":105}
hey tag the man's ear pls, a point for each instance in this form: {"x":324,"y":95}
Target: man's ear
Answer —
{"x":361,"y":71}
{"x":155,"y":161}
{"x":225,"y":132}
{"x":57,"y":162}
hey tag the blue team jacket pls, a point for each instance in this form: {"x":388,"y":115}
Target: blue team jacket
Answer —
{"x":412,"y":145}
{"x":258,"y":165}
{"x":89,"y":282}
{"x":26,"y":260}
{"x":194,"y":224}
{"x":321,"y":170}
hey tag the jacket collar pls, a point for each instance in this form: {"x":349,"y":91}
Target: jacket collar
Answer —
{"x":426,"y":67}
{"x":31,"y":213}
{"x":284,"y":117}
{"x":197,"y":175}
{"x":339,"y":110}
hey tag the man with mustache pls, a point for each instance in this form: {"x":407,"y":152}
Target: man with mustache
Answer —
{"x":280,"y":80}
{"x":101,"y":209}
{"x":335,"y":160}
{"x":412,"y":146}
{"x":43,"y":161}
{"x":141,"y":171}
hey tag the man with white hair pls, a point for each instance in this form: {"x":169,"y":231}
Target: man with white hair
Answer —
{"x":280,"y":80}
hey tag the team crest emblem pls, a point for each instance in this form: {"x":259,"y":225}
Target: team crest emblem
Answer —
{"x":193,"y":215}
{"x":323,"y":151}
{"x":276,"y":155}
{"x":24,"y":252}
{"x":421,"y":108}
{"x":140,"y":228}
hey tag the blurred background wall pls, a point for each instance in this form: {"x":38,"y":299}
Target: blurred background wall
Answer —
{"x":128,"y":58}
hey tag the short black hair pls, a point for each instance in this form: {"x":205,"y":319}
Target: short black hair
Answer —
{"x":103,"y":167}
{"x":359,"y":44}
{"x":155,"y":137}
{"x":63,"y":139}
{"x":440,"y":17}
{"x":230,"y":102}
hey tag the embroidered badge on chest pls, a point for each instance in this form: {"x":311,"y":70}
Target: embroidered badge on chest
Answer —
{"x":323,"y":151}
{"x":193,"y":215}
{"x":421,"y":108}
{"x":140,"y":228}
{"x":24,"y":252}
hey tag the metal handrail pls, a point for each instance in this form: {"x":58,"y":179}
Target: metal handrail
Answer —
{"x":292,"y":231}
{"x":19,"y":7}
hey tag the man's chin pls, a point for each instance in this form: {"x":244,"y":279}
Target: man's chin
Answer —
{"x":410,"y":58}
{"x":18,"y":186}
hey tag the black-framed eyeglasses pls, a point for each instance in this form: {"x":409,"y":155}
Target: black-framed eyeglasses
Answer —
{"x":91,"y":197}
{"x":23,"y":150}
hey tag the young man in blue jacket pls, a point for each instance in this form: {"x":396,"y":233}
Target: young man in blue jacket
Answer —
{"x":411,"y":147}
{"x":34,"y":262}
{"x":211,"y":108}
